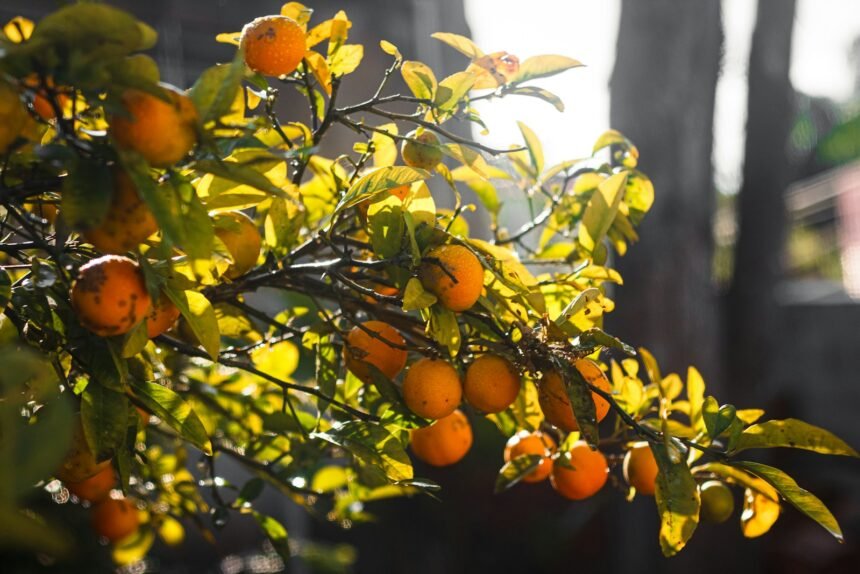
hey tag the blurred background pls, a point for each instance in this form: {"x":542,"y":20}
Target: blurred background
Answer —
{"x":747,"y":118}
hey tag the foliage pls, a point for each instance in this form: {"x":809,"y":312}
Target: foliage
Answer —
{"x":339,"y":247}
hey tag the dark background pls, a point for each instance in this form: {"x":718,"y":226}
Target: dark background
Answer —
{"x":765,"y":329}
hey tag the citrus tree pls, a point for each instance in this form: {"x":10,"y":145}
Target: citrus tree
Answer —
{"x":185,"y":279}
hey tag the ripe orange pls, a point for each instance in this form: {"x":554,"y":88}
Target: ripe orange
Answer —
{"x":537,"y":442}
{"x":162,"y":132}
{"x":718,"y":503}
{"x":162,"y":316}
{"x":115,"y":519}
{"x":80,"y":463}
{"x":492,"y":383}
{"x":640,"y":468}
{"x":432,"y":388}
{"x":454,"y":274}
{"x":241,"y":238}
{"x":421,"y":150}
{"x":96,"y":487}
{"x":363,"y":349}
{"x":274,"y":45}
{"x":555,"y":403}
{"x":110,"y":296}
{"x":444,"y":442}
{"x":13,"y":116}
{"x":588,"y":475}
{"x":128,"y":221}
{"x":400,"y":192}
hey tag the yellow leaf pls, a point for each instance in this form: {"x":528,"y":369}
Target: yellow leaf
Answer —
{"x":298,"y":12}
{"x":384,"y":147}
{"x":759,"y":514}
{"x":319,"y":68}
{"x":460,"y":43}
{"x":279,"y":360}
{"x":420,"y":79}
{"x":390,"y":49}
{"x":229,"y":38}
{"x":346,"y":59}
{"x":18,"y":29}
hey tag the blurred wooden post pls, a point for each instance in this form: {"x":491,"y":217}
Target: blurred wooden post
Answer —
{"x":752,"y":307}
{"x":663,"y":90}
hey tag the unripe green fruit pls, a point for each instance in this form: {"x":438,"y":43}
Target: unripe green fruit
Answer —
{"x":718,"y":504}
{"x":423,"y":152}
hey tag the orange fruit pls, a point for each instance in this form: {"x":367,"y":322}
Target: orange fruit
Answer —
{"x":47,"y":211}
{"x":115,"y":519}
{"x":432,"y":388}
{"x":274,"y":45}
{"x":718,"y":503}
{"x":588,"y":475}
{"x":555,"y":403}
{"x":444,"y":442}
{"x":13,"y":116}
{"x":454,"y":274}
{"x":96,"y":487}
{"x":363,"y":349}
{"x":400,"y":192}
{"x":491,"y":384}
{"x":110,"y":296}
{"x":161,"y":317}
{"x":41,"y":103}
{"x":241,"y":238}
{"x":640,"y":468}
{"x":79,"y":463}
{"x":163,"y":132}
{"x":127,"y":223}
{"x":421,"y":150}
{"x":537,"y":442}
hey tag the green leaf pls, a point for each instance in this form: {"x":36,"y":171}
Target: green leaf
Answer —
{"x":24,"y":530}
{"x":201,"y":317}
{"x":793,"y":433}
{"x":371,"y":444}
{"x":134,"y":341}
{"x":420,"y":79}
{"x":347,"y":58}
{"x":444,"y":329}
{"x":534,"y":147}
{"x":169,"y":407}
{"x":378,"y":181}
{"x":159,"y":198}
{"x":581,"y":401}
{"x":595,"y":337}
{"x":487,"y":194}
{"x":104,"y":417}
{"x":460,"y":43}
{"x":677,"y":497}
{"x":801,"y":499}
{"x":578,"y":304}
{"x":87,"y":193}
{"x":600,"y":211}
{"x":717,"y":418}
{"x":276,"y":533}
{"x":215,"y":90}
{"x":543,"y":66}
{"x":252,"y":489}
{"x":386,"y":227}
{"x":515,"y":470}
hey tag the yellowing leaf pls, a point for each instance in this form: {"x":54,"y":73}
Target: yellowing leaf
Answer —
{"x":229,"y":38}
{"x":384,"y":147}
{"x":390,"y":49}
{"x":378,"y":181}
{"x":534,"y":147}
{"x":677,"y":496}
{"x":420,"y":79}
{"x":201,"y":317}
{"x":460,"y":43}
{"x":415,"y":297}
{"x":793,"y":433}
{"x":346,"y":59}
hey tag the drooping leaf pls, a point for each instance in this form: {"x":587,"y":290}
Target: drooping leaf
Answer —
{"x":601,"y":210}
{"x":801,"y":499}
{"x":104,"y":417}
{"x":372,"y":445}
{"x":276,"y":533}
{"x":201,"y":317}
{"x":677,"y":497}
{"x":215,"y":90}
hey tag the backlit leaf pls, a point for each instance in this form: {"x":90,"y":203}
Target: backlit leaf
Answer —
{"x":793,"y":433}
